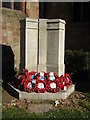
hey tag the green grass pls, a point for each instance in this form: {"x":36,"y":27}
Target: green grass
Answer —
{"x":81,"y":112}
{"x":63,"y":113}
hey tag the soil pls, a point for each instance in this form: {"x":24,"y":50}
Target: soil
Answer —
{"x":6,"y":97}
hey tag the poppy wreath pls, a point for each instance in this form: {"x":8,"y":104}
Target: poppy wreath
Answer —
{"x":22,"y":84}
{"x":40,"y":86}
{"x":53,"y":82}
{"x":41,"y":76}
{"x":52,"y":76}
{"x":41,"y":82}
{"x":54,"y":86}
{"x":29,"y":84}
{"x":20,"y":81}
{"x":28,"y":87}
{"x":64,"y":82}
{"x":32,"y":75}
{"x":25,"y":80}
{"x":67,"y":76}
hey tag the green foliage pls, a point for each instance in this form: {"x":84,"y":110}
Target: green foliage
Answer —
{"x":63,"y":113}
{"x":76,"y":61}
{"x":87,"y":94}
{"x":14,"y":113}
{"x":71,"y":113}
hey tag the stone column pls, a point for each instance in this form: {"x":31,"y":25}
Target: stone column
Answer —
{"x":42,"y":45}
{"x":29,"y":43}
{"x":61,"y":55}
{"x":51,"y":46}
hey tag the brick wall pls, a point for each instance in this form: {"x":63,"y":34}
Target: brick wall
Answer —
{"x":32,"y":9}
{"x":11,"y":31}
{"x":11,"y":34}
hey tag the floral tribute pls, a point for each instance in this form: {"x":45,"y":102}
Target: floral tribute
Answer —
{"x":54,"y":84}
{"x":42,"y":82}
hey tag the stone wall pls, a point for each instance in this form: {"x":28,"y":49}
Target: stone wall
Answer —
{"x":11,"y":32}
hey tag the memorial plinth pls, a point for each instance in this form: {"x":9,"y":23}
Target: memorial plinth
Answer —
{"x":40,"y":96}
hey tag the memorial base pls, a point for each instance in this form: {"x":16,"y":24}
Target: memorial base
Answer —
{"x":40,"y":96}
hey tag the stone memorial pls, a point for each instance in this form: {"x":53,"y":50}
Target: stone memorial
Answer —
{"x":43,"y":45}
{"x":51,"y":45}
{"x":42,"y":49}
{"x":29,"y":44}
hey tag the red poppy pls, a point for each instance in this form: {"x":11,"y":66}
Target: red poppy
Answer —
{"x":64,"y":82}
{"x":42,"y":82}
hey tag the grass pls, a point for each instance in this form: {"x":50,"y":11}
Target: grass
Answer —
{"x":16,"y":113}
{"x":81,"y":112}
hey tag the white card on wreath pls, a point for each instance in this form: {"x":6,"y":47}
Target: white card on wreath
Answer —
{"x":41,"y":85}
{"x":52,"y":78}
{"x":67,"y":79}
{"x":51,"y":74}
{"x":42,"y":74}
{"x":30,"y":85}
{"x":53,"y":85}
{"x":34,"y":81}
{"x":65,"y":88}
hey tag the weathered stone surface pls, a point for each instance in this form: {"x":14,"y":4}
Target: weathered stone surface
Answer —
{"x":41,"y":96}
{"x":49,"y":57}
{"x":29,"y":39}
{"x":42,"y":45}
{"x":51,"y":45}
{"x":39,"y":108}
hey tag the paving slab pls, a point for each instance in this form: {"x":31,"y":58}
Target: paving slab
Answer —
{"x":39,"y":108}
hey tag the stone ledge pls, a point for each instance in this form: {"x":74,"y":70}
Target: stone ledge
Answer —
{"x":56,"y":21}
{"x":40,"y":96}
